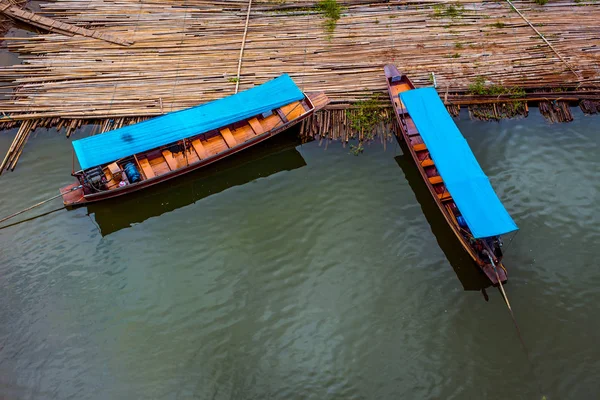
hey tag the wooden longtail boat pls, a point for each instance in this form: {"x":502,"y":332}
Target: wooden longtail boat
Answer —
{"x":471,"y":209}
{"x":141,"y":155}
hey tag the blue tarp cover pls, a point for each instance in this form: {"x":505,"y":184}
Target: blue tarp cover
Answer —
{"x":469,"y":186}
{"x":169,"y":128}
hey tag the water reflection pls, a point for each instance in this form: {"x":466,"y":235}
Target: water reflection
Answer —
{"x":274,"y":155}
{"x":7,"y":58}
{"x":465,"y":268}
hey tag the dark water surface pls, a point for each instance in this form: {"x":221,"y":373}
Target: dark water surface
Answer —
{"x":297,"y":272}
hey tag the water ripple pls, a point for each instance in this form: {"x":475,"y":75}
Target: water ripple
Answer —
{"x":324,"y":281}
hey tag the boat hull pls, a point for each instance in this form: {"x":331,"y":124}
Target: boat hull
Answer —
{"x":74,"y":198}
{"x":392,"y":73}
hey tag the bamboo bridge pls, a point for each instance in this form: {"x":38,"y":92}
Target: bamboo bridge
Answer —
{"x":133,"y":59}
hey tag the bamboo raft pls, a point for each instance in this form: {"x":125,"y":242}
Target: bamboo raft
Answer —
{"x":186,"y":52}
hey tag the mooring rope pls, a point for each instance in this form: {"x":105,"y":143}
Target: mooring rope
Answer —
{"x":32,"y":218}
{"x":505,"y":249}
{"x":39,"y":204}
{"x":516,"y":326}
{"x":239,"y":69}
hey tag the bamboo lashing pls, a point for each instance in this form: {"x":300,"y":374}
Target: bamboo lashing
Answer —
{"x":239,"y":69}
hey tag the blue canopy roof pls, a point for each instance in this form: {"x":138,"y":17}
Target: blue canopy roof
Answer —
{"x":169,"y":128}
{"x":469,"y":186}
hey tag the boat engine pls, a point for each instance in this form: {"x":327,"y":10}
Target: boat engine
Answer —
{"x":132,"y":172}
{"x":94,"y":179}
{"x":498,"y":247}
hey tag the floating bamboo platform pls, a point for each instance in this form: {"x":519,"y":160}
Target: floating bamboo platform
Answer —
{"x":186,"y":52}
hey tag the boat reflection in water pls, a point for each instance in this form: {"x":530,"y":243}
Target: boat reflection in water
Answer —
{"x":264,"y":159}
{"x":466,"y":270}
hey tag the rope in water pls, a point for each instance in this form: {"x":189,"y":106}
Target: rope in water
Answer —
{"x":516,"y":326}
{"x":38,"y":204}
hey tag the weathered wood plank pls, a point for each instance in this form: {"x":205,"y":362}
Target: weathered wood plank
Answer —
{"x":226,"y":133}
{"x":199,"y":148}
{"x":146,"y":168}
{"x":256,"y":126}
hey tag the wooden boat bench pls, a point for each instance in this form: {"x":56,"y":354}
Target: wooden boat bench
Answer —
{"x":420,"y":147}
{"x":428,"y":162}
{"x":256,"y":126}
{"x":146,"y":168}
{"x":199,"y":148}
{"x":170,"y":160}
{"x":228,"y":136}
{"x":445,"y":196}
{"x":435,"y":179}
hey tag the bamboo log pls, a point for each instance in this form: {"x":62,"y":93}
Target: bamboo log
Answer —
{"x":239,"y":69}
{"x":66,"y":78}
{"x":84,"y":76}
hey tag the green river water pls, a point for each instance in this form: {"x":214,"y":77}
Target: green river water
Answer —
{"x":303,"y":272}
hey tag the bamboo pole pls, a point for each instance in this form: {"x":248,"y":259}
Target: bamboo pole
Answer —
{"x":239,"y":69}
{"x":544,"y":39}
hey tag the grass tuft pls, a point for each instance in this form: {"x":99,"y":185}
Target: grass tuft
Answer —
{"x":330,"y":8}
{"x":452,"y":11}
{"x":480,"y":88}
{"x":332,"y":12}
{"x":356,"y":150}
{"x":366,"y":115}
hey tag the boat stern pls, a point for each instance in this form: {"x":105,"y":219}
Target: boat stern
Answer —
{"x":72,"y":195}
{"x":488,"y":269}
